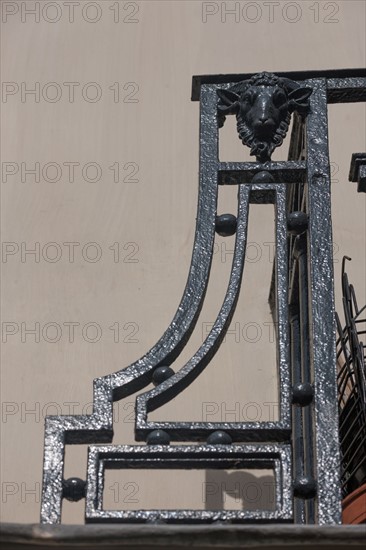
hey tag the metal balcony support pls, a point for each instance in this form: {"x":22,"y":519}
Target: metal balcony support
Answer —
{"x":302,"y":447}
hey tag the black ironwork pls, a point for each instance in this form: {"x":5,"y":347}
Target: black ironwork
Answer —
{"x":263,"y":106}
{"x":351,"y":357}
{"x":302,"y":447}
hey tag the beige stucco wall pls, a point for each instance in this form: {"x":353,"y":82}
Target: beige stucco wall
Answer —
{"x":152,"y":53}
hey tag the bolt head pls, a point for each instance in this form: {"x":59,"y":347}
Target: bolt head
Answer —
{"x":161,"y":374}
{"x":263,"y":177}
{"x":297,"y":223}
{"x":219,"y":438}
{"x":158,"y":437}
{"x":73,"y":489}
{"x":305,"y":487}
{"x":226,"y":225}
{"x":302,"y":394}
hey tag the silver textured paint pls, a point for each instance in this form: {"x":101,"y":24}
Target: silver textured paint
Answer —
{"x":249,"y":431}
{"x":59,"y":430}
{"x":166,"y":391}
{"x":277,"y":457}
{"x":238,"y":431}
{"x":282,"y":284}
{"x":321,"y":310}
{"x":98,"y":426}
{"x":345,"y":90}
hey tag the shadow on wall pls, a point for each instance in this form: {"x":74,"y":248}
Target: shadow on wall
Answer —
{"x":239,"y":490}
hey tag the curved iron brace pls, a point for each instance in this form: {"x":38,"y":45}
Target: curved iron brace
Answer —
{"x":166,"y":391}
{"x":98,"y":426}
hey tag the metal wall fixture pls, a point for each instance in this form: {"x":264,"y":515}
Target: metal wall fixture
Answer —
{"x":302,"y":447}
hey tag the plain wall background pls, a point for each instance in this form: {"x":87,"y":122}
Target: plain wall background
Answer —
{"x":152,"y":219}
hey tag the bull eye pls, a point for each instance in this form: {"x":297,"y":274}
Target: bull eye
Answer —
{"x":279,"y":98}
{"x":249,"y":97}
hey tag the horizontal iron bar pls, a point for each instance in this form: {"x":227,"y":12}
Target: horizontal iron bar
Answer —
{"x":275,"y":457}
{"x":232,"y":173}
{"x":346,"y":90}
{"x":183,"y":463}
{"x":186,"y":517}
{"x":198,"y":80}
{"x":199,"y":431}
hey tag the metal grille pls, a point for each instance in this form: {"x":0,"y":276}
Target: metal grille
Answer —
{"x":302,"y":447}
{"x":351,"y":357}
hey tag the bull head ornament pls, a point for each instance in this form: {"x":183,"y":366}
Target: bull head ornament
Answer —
{"x":263,"y":106}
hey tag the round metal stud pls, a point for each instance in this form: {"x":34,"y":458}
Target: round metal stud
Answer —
{"x":297,"y":223}
{"x":302,"y":394}
{"x":219,"y":438}
{"x":161,"y":374}
{"x":158,"y":437}
{"x":263,"y":177}
{"x":305,"y":487}
{"x":73,"y":489}
{"x":226,"y":225}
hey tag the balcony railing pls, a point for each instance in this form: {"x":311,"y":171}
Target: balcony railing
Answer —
{"x":302,"y":447}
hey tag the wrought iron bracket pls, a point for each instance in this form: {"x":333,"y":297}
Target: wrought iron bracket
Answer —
{"x":302,"y":447}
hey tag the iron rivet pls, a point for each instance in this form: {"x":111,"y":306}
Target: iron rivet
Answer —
{"x":161,"y":374}
{"x":219,"y":438}
{"x":297,"y":223}
{"x":158,"y":437}
{"x":305,"y":487}
{"x":73,"y":489}
{"x":226,"y":225}
{"x":263,"y":177}
{"x":302,"y":394}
